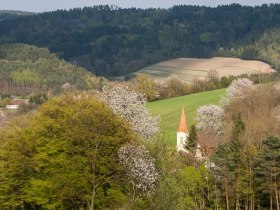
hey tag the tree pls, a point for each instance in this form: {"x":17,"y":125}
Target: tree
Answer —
{"x":147,"y":87}
{"x":72,"y":154}
{"x":131,"y":106}
{"x":191,"y":141}
{"x":229,"y":166}
{"x":239,"y":88}
{"x":213,"y":76}
{"x":210,"y":119}
{"x":38,"y":99}
{"x":140,"y":167}
{"x":267,"y":171}
{"x":14,"y":163}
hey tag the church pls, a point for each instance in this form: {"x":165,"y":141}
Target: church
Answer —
{"x":182,"y":135}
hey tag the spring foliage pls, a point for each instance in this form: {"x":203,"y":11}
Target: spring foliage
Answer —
{"x":131,"y":106}
{"x":140,"y":166}
{"x":68,"y":156}
{"x":239,"y":88}
{"x":210,"y":119}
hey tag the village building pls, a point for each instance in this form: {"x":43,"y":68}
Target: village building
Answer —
{"x":182,"y":135}
{"x":15,"y":103}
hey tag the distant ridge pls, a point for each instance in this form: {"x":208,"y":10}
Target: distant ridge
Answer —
{"x":10,"y":14}
{"x":111,"y":41}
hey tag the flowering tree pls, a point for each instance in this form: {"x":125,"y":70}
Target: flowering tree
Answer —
{"x":140,"y":166}
{"x":210,"y":119}
{"x":131,"y":106}
{"x":239,"y":88}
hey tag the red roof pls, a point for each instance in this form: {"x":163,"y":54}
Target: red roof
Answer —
{"x":183,"y":124}
{"x":18,"y":101}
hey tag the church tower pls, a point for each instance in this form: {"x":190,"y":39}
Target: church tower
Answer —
{"x":182,"y":132}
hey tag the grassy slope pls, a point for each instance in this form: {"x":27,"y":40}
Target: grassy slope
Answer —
{"x":170,"y":110}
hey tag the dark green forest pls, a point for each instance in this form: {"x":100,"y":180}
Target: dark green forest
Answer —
{"x":9,"y":14}
{"x":111,"y":41}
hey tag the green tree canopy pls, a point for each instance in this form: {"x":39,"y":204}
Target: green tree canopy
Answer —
{"x":70,"y":152}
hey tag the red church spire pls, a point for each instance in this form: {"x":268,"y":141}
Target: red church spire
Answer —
{"x":183,"y":124}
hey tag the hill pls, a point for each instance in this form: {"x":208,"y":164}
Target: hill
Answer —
{"x":266,"y":48}
{"x":188,"y":69}
{"x":9,"y":14}
{"x":111,"y":41}
{"x":169,"y":110}
{"x":25,"y":69}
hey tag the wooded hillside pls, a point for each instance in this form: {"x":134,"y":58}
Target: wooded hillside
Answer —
{"x":112,"y":41}
{"x":25,"y":69}
{"x":9,"y":14}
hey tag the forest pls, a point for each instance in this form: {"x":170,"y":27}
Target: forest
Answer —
{"x":26,"y":69}
{"x":103,"y":150}
{"x":111,"y":41}
{"x":9,"y":14}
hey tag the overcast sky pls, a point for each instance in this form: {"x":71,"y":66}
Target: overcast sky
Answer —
{"x":48,"y":5}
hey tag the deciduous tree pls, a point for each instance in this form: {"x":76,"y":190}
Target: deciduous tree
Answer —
{"x":210,"y":119}
{"x":239,"y":88}
{"x":140,"y":167}
{"x":70,"y":154}
{"x":131,"y":106}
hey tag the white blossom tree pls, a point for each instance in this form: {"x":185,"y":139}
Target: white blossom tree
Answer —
{"x":239,"y":88}
{"x":131,"y":106}
{"x":140,"y":167}
{"x":210,"y":119}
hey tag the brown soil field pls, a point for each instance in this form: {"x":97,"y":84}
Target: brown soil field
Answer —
{"x":188,"y":69}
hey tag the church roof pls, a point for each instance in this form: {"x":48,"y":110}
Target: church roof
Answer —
{"x":183,"y":124}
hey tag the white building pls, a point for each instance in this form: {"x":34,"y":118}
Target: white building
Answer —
{"x":182,"y":135}
{"x":15,"y":103}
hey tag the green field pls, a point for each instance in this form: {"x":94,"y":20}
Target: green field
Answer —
{"x":169,"y":110}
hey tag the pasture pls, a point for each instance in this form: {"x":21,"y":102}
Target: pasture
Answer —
{"x":169,"y":110}
{"x":188,"y":69}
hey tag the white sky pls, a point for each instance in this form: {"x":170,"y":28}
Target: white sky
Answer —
{"x":49,"y":5}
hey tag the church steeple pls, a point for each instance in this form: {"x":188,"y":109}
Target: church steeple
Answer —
{"x":183,"y":124}
{"x":182,"y":132}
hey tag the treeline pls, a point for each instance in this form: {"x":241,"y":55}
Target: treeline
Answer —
{"x":9,"y":14}
{"x":112,"y":41}
{"x":266,"y":48}
{"x":26,"y":69}
{"x":172,"y":86}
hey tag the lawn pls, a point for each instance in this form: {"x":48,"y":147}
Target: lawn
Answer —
{"x":169,"y":110}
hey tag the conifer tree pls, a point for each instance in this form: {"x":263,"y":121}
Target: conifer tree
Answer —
{"x":235,"y":144}
{"x":191,"y":141}
{"x":267,"y":171}
{"x":229,"y":165}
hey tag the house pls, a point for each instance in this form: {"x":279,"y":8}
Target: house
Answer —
{"x":182,"y":135}
{"x":15,"y":103}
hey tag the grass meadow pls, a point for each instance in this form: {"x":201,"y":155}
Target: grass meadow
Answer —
{"x":169,"y":110}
